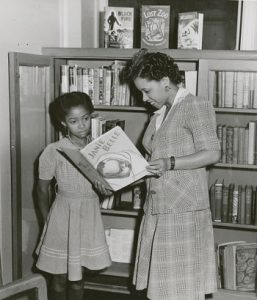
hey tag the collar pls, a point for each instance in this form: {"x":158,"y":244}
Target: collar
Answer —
{"x":181,"y":93}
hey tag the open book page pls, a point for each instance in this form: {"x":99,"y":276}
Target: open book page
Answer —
{"x":116,"y":158}
{"x":111,"y":159}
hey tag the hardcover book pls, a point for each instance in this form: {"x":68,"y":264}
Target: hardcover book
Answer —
{"x":155,"y":26}
{"x":190,"y":30}
{"x":111,"y":159}
{"x":118,"y":27}
{"x":246,"y":267}
{"x":237,"y":265}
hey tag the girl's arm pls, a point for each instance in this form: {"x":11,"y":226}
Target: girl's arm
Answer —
{"x":43,"y":197}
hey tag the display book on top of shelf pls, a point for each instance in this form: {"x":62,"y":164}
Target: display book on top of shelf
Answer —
{"x":230,"y":85}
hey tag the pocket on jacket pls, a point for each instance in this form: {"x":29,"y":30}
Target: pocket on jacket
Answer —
{"x":180,"y":193}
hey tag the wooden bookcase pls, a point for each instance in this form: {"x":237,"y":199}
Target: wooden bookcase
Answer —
{"x":240,"y":174}
{"x":118,"y":277}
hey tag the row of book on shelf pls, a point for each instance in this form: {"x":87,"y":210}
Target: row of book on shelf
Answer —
{"x":238,"y":144}
{"x":233,"y":203}
{"x":236,"y":266}
{"x":104,"y":84}
{"x":155,"y":27}
{"x":101,"y":124}
{"x":128,"y":198}
{"x":233,"y":89}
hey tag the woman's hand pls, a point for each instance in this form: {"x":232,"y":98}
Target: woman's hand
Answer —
{"x":101,"y":189}
{"x":159,"y":166}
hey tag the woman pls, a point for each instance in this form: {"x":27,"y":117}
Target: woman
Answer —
{"x":175,"y":256}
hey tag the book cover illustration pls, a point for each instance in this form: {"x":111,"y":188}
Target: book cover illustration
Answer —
{"x":190,"y":30}
{"x":111,"y":159}
{"x":118,"y":27}
{"x":155,"y":24}
{"x":246,"y":262}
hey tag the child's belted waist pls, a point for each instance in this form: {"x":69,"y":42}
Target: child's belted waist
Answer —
{"x":73,"y":194}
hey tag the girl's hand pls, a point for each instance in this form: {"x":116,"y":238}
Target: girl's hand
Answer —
{"x":101,"y":189}
{"x":159,"y":166}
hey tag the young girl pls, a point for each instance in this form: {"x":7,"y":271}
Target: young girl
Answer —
{"x":73,"y":236}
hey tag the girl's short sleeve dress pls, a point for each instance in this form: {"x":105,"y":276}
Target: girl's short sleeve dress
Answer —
{"x":73,"y":234}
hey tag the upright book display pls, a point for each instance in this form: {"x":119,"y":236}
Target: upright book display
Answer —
{"x":190,"y":30}
{"x":208,"y":64}
{"x":118,"y":27}
{"x":155,"y":24}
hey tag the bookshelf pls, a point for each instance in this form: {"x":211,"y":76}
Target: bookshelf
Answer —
{"x":118,"y":277}
{"x":229,"y":84}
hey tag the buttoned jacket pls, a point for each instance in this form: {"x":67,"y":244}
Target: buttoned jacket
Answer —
{"x":188,"y":128}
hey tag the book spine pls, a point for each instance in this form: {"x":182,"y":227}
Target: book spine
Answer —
{"x":235,"y":89}
{"x":251,"y":142}
{"x":212,"y":201}
{"x":101,"y":86}
{"x":235,"y":145}
{"x":229,"y":145}
{"x":229,"y":80}
{"x":108,"y":86}
{"x":73,"y":78}
{"x":64,"y":88}
{"x":255,"y":91}
{"x":230,"y":202}
{"x":218,"y":201}
{"x":91,"y":89}
{"x":241,"y":219}
{"x":224,"y":144}
{"x":224,"y":211}
{"x":79,"y":80}
{"x":246,"y":90}
{"x":241,"y":145}
{"x":240,"y":89}
{"x":85,"y":84}
{"x":235,"y":205}
{"x":248,"y":204}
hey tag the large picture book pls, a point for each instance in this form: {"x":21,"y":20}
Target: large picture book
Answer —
{"x":190,"y":30}
{"x":155,"y":26}
{"x":111,"y":159}
{"x":118,"y":27}
{"x":237,"y":265}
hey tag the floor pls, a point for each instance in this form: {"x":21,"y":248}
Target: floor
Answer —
{"x":97,"y":295}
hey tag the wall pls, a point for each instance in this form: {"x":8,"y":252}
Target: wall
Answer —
{"x":25,"y":26}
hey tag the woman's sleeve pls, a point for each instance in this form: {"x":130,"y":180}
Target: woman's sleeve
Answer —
{"x":201,"y":121}
{"x":47,"y":163}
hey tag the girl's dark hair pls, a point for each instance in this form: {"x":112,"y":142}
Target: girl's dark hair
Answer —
{"x":61,"y":105}
{"x":152,"y":66}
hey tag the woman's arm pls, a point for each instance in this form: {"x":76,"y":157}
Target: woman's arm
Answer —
{"x":197,"y":160}
{"x":43,"y":197}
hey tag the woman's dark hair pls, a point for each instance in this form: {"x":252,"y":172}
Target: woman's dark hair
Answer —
{"x":152,"y":66}
{"x":61,"y":105}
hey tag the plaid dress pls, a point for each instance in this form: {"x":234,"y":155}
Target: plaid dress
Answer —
{"x":73,"y":235}
{"x":175,"y":253}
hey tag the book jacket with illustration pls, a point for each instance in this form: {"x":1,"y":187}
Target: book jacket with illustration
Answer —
{"x":155,"y":26}
{"x":111,"y":159}
{"x":190,"y":30}
{"x":118,"y":27}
